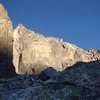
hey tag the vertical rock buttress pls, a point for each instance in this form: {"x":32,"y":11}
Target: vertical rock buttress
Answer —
{"x":6,"y":44}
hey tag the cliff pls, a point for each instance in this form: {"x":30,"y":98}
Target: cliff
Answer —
{"x":47,"y":68}
{"x":6,"y":44}
{"x":32,"y":52}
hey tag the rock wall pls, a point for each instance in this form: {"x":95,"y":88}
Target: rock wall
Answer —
{"x":6,"y":32}
{"x":6,"y":47}
{"x":32,"y":52}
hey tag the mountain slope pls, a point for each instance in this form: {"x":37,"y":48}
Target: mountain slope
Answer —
{"x":32,"y":52}
{"x":6,"y":45}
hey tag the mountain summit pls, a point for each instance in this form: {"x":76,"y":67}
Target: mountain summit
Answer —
{"x":32,"y":52}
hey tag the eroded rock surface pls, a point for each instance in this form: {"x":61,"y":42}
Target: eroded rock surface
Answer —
{"x":32,"y":52}
{"x":6,"y":32}
{"x":6,"y":47}
{"x":78,"y":82}
{"x":95,"y":54}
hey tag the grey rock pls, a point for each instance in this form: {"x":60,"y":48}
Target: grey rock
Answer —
{"x":95,"y":54}
{"x":48,"y":73}
{"x":78,"y":82}
{"x":83,"y":74}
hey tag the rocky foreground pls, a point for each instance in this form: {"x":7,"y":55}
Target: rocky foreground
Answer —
{"x":34,"y":67}
{"x":79,"y":82}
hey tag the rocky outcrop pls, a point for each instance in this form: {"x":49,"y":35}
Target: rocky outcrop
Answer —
{"x":65,"y":71}
{"x":95,"y":54}
{"x":6,"y":47}
{"x":32,"y":52}
{"x":6,"y":32}
{"x":78,"y":82}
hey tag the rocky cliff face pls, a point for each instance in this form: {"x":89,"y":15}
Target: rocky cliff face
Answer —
{"x":6,"y":47}
{"x":6,"y":32}
{"x":33,"y":52}
{"x":65,"y":71}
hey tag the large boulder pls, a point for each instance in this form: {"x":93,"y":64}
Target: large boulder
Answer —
{"x":6,"y":47}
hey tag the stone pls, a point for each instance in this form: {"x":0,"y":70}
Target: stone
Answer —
{"x":32,"y":52}
{"x":95,"y":54}
{"x":47,"y":74}
{"x":6,"y":47}
{"x":74,"y":75}
{"x":78,"y":82}
{"x":84,"y":74}
{"x":6,"y":32}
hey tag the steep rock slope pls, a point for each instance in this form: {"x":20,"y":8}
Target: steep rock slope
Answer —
{"x":6,"y":32}
{"x":6,"y":47}
{"x":78,"y":82}
{"x":33,"y":52}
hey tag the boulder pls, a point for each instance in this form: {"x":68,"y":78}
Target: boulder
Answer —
{"x":48,"y":73}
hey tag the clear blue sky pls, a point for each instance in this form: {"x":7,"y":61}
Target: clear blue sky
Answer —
{"x":76,"y":21}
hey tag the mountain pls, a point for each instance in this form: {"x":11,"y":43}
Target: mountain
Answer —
{"x":6,"y":44}
{"x":34,"y":67}
{"x":32,"y":52}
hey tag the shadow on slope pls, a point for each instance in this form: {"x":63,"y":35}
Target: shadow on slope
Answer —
{"x":6,"y":66}
{"x":78,"y":82}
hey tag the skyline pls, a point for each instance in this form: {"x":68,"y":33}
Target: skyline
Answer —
{"x":76,"y":22}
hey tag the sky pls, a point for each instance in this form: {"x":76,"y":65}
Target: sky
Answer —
{"x":75,"y":21}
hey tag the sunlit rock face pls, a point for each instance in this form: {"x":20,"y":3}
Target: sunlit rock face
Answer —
{"x":95,"y":54}
{"x":6,"y":32}
{"x":32,"y":52}
{"x":6,"y":47}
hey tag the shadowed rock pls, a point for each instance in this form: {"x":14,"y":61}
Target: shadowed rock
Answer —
{"x":78,"y":82}
{"x":47,"y":74}
{"x":6,"y":47}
